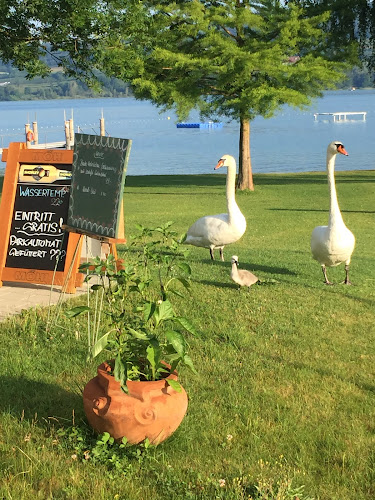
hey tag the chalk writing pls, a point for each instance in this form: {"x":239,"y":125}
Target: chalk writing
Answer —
{"x":37,"y":239}
{"x":98,"y":176}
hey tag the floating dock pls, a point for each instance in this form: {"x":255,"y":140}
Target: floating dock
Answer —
{"x":342,"y":116}
{"x":200,"y":125}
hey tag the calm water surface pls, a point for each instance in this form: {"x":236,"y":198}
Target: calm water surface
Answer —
{"x":292,"y":141}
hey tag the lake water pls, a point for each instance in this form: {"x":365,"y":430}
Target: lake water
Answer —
{"x":292,"y":141}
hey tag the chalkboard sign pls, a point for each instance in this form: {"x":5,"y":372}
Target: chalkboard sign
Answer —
{"x":34,"y":247}
{"x":98,"y":177}
{"x":36,"y":238}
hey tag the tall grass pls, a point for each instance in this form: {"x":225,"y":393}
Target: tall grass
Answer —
{"x":283,"y":403}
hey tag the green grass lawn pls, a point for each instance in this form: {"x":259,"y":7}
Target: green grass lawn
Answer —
{"x":285,"y":392}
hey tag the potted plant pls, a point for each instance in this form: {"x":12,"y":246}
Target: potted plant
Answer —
{"x":136,"y":393}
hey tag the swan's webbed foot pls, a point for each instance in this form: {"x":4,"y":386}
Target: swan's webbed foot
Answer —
{"x":326,"y":280}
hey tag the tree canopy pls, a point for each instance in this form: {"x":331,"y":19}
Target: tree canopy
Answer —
{"x":236,"y":58}
{"x":351,"y":23}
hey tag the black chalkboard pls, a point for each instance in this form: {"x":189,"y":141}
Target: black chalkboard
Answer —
{"x":36,"y":238}
{"x":98,"y":177}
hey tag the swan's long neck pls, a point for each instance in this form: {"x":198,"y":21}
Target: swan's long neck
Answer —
{"x":335,"y":216}
{"x":231,"y":187}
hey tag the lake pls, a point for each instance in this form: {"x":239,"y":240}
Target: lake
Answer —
{"x":292,"y":141}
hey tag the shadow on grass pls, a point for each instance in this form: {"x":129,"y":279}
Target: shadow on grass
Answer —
{"x":320,"y":210}
{"x":249,"y":267}
{"x":259,"y":179}
{"x":21,"y":396}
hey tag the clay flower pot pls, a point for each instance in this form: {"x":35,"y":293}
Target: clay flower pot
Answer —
{"x":151,"y":409}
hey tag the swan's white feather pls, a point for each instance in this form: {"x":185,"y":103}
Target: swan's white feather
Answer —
{"x":333,"y":244}
{"x":216,"y":231}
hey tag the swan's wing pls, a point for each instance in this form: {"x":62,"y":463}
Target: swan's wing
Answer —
{"x":206,"y":227}
{"x":331,"y":246}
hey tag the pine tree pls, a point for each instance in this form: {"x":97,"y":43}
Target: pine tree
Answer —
{"x":234,"y":59}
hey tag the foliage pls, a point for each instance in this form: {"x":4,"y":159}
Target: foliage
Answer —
{"x":229,"y":59}
{"x":351,"y":25}
{"x":232,"y":59}
{"x":83,"y":446}
{"x":144,"y":330}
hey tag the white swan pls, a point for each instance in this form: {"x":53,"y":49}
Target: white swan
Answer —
{"x":241,"y":276}
{"x":216,"y":231}
{"x":333,"y":244}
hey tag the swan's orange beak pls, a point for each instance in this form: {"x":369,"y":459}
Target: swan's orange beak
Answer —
{"x":342,"y":150}
{"x":219,"y":164}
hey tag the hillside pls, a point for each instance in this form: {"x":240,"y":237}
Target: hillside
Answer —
{"x":15,"y":87}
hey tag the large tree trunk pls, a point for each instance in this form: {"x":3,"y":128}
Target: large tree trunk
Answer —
{"x":245,"y":174}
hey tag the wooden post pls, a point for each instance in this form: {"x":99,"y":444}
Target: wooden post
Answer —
{"x":102,"y":125}
{"x":67,"y":135}
{"x":35,"y":132}
{"x":71,"y":131}
{"x":27,"y":129}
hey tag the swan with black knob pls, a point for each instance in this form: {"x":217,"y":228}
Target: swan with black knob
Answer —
{"x":333,"y":244}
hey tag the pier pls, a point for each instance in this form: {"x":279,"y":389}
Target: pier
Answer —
{"x":342,"y":116}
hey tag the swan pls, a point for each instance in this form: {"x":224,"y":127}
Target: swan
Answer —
{"x":216,"y":231}
{"x":333,"y":244}
{"x":241,"y":277}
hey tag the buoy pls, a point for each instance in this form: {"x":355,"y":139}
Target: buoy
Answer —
{"x":29,"y":136}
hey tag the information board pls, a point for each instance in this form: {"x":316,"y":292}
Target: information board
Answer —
{"x":98,"y":178}
{"x":34,"y":247}
{"x":36,"y":238}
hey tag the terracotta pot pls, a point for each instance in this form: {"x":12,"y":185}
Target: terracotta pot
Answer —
{"x":151,"y":409}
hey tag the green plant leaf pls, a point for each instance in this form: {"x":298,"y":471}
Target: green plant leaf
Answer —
{"x":178,"y":342}
{"x":184,"y":266}
{"x":137,"y":334}
{"x":96,"y":287}
{"x":153,"y":355}
{"x":100,"y":345}
{"x":105,"y":437}
{"x":184,"y":282}
{"x":76,"y":311}
{"x":176,"y":292}
{"x":189,"y":363}
{"x":149,"y":309}
{"x":120,"y":370}
{"x":164,"y":311}
{"x":174,"y":384}
{"x":185,"y":323}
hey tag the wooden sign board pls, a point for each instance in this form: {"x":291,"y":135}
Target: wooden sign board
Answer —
{"x":34,"y":247}
{"x":98,"y":178}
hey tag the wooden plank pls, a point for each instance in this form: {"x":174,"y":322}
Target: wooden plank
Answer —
{"x":7,"y":201}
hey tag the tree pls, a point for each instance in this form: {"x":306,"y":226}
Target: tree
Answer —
{"x":236,"y":59}
{"x":351,"y":24}
{"x":66,"y":30}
